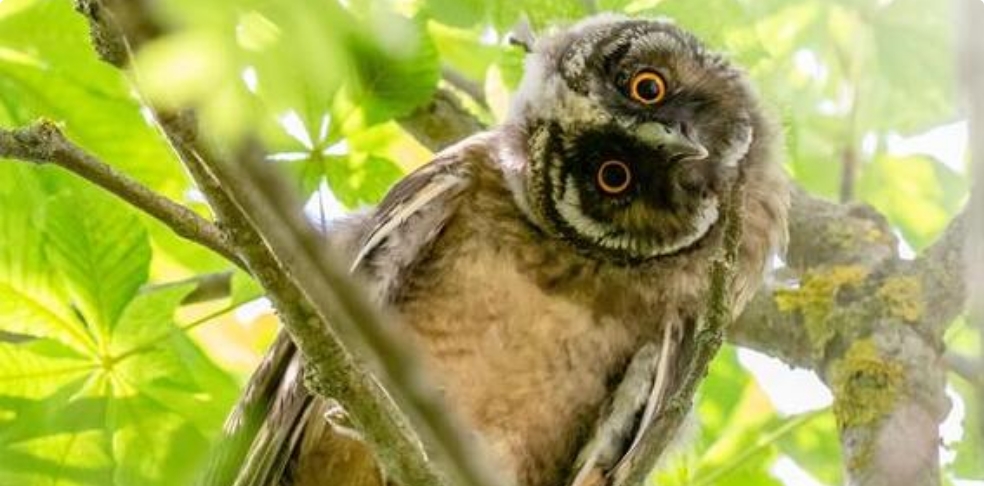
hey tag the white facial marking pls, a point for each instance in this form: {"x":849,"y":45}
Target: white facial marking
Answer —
{"x":569,"y":208}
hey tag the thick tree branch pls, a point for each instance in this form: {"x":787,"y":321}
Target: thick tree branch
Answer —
{"x":941,"y":270}
{"x":768,"y":330}
{"x":277,"y":215}
{"x":44,"y":143}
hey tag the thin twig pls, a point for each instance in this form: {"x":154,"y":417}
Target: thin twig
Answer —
{"x":208,"y":287}
{"x":461,"y":82}
{"x":44,"y":143}
{"x":965,"y":367}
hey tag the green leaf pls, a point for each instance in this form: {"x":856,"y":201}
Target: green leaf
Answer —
{"x":147,"y":317}
{"x":969,"y":463}
{"x":30,"y":301}
{"x":100,"y":249}
{"x":391,"y":82}
{"x":911,"y":68}
{"x":21,"y":313}
{"x":47,"y":430}
{"x":244,"y":287}
{"x":917,"y":194}
{"x":540,"y":13}
{"x":357,"y":183}
{"x":457,"y":13}
{"x":721,"y":392}
{"x":463,"y":50}
{"x":37,"y":368}
{"x":815,"y":446}
{"x":141,"y":421}
{"x":142,"y":415}
{"x":65,"y":82}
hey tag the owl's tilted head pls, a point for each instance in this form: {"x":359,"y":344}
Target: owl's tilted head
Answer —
{"x":633,"y":132}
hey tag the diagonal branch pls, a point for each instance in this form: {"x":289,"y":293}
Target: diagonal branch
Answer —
{"x":335,"y":372}
{"x":277,"y":215}
{"x":699,"y":349}
{"x":314,"y":294}
{"x":44,"y":143}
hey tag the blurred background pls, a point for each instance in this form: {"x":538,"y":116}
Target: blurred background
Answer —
{"x":108,"y":376}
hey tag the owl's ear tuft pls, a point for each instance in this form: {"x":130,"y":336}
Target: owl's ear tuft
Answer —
{"x":522,"y":35}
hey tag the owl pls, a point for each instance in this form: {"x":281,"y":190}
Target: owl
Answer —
{"x":532,"y":264}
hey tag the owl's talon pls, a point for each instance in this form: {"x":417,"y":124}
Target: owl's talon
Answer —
{"x":338,"y":420}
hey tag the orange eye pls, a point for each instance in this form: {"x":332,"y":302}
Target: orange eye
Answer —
{"x":614,"y":177}
{"x":647,"y":88}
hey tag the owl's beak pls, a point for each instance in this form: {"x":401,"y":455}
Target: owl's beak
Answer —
{"x":679,"y":142}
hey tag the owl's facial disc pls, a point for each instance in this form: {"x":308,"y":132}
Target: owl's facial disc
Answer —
{"x":611,"y":191}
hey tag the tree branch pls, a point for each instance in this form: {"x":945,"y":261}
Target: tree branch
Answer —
{"x":332,"y":369}
{"x":44,"y":143}
{"x":768,"y":330}
{"x":699,"y":349}
{"x":320,"y":285}
{"x":441,"y":123}
{"x":461,"y":82}
{"x":278,"y":216}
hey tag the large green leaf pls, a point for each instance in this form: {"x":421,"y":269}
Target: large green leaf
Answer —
{"x":35,"y":369}
{"x":141,"y":414}
{"x":391,"y":82}
{"x":49,"y":69}
{"x":135,"y":406}
{"x":100,"y":249}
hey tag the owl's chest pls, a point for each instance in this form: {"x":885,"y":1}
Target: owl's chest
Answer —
{"x":528,"y":355}
{"x":526,"y":368}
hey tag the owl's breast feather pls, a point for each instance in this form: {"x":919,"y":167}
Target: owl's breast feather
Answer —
{"x":529,"y":370}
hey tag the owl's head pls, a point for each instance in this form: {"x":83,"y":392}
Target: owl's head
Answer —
{"x":633,"y":132}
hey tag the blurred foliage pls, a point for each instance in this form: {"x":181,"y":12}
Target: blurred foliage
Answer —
{"x":106,"y":378}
